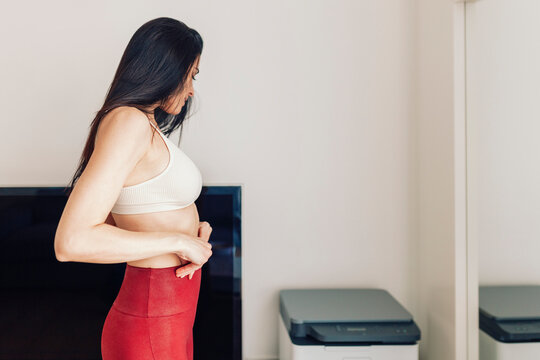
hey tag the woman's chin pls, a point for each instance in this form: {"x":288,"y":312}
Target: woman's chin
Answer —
{"x":179,"y":110}
{"x":174,"y":112}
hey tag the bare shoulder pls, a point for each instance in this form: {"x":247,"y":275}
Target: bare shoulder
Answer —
{"x":127,"y":121}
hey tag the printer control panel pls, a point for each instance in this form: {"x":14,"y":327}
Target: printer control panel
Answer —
{"x":529,"y":327}
{"x":362,"y":329}
{"x":365,"y":332}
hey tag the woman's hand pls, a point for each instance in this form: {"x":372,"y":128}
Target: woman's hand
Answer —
{"x":190,"y":267}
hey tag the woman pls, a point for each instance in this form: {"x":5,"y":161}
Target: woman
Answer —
{"x":134,"y":198}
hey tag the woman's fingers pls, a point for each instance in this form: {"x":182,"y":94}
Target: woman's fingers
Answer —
{"x":205,"y":230}
{"x":186,"y":269}
{"x":191,"y":274}
{"x":203,"y":233}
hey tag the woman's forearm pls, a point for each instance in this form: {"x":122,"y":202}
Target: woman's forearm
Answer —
{"x":106,"y":244}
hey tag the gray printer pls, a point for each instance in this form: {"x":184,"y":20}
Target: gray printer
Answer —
{"x":509,"y":318}
{"x":319,"y":324}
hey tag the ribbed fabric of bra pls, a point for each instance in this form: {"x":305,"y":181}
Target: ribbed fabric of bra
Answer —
{"x":176,"y":187}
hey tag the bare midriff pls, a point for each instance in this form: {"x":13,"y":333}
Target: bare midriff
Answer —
{"x":184,"y":220}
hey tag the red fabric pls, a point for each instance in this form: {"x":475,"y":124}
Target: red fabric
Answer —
{"x":152,"y":316}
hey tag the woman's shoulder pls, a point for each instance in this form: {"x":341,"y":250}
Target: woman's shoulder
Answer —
{"x":126,"y":113}
{"x":125,"y":122}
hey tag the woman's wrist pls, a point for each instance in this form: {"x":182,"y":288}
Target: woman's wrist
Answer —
{"x":179,"y":242}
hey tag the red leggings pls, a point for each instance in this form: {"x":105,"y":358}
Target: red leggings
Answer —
{"x":152,"y":316}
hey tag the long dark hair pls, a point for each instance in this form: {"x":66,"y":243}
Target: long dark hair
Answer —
{"x":153,"y":68}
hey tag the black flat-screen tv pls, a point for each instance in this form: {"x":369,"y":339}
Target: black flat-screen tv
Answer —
{"x":56,"y":310}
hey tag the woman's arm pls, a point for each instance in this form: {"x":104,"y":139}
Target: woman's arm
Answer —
{"x":107,"y":244}
{"x":83,"y":234}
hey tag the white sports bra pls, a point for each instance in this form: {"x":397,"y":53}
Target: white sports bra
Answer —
{"x":176,"y":187}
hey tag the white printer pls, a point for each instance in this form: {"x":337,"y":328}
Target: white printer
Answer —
{"x":345,"y":324}
{"x":509,"y":322}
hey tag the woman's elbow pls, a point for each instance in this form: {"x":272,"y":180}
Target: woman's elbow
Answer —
{"x":60,"y":249}
{"x":64,"y":246}
{"x":61,"y":257}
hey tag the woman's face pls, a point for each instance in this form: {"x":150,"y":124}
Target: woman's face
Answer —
{"x":177,"y":102}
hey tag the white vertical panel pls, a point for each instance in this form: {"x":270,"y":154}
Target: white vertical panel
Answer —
{"x":441,"y":180}
{"x":463,"y":261}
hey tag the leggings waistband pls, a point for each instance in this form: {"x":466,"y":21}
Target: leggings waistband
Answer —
{"x":154,"y":292}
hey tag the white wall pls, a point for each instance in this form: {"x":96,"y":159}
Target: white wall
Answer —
{"x":336,"y":118}
{"x":503,"y":58}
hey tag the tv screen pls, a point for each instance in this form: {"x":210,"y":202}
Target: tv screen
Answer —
{"x":56,"y":310}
